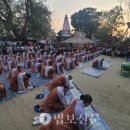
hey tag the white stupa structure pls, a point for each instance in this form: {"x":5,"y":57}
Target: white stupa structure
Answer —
{"x":66,"y":28}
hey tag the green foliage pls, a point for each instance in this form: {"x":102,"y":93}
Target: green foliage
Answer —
{"x":103,"y":25}
{"x":86,"y":20}
{"x":112,"y":23}
{"x":25,"y":18}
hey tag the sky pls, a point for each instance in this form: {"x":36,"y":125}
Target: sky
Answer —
{"x":62,"y":7}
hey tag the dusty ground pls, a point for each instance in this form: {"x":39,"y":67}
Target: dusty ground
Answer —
{"x":110,"y":92}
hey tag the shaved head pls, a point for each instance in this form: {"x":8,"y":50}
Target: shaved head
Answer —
{"x":70,"y":77}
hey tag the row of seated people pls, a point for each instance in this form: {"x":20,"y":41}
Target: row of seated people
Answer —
{"x":60,"y":61}
{"x":54,"y":101}
{"x":30,"y":59}
{"x":20,"y":80}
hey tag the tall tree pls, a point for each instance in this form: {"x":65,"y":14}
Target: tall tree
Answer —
{"x":86,"y":20}
{"x":25,"y":18}
{"x":111,"y":23}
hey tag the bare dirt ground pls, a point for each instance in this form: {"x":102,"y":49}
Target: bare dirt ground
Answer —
{"x":110,"y":92}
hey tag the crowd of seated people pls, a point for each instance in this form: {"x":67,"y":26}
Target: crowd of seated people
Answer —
{"x":47,"y":61}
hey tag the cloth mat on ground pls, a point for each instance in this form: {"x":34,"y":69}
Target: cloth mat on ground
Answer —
{"x":91,"y":71}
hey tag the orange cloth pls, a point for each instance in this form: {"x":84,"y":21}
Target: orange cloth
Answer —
{"x":95,"y":63}
{"x":58,"y":81}
{"x":13,"y":83}
{"x":52,"y":103}
{"x":50,"y":74}
{"x":70,"y":110}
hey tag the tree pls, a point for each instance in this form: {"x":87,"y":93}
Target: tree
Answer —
{"x":59,"y":33}
{"x":111,"y":23}
{"x":25,"y":18}
{"x":86,"y":20}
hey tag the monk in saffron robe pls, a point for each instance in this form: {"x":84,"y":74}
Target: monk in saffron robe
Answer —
{"x":99,"y":64}
{"x":62,"y":80}
{"x":77,"y":117}
{"x":47,"y":71}
{"x":13,"y":78}
{"x":24,"y":81}
{"x":55,"y":101}
{"x":69,"y":64}
{"x":95,"y":64}
{"x":59,"y":67}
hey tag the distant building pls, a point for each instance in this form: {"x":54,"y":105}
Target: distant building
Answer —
{"x":66,"y":28}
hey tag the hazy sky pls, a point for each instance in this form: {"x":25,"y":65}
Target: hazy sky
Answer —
{"x":62,"y":7}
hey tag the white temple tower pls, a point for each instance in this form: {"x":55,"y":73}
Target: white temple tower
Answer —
{"x":66,"y":28}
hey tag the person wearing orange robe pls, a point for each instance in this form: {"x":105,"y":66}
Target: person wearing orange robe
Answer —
{"x":55,"y":102}
{"x":47,"y":71}
{"x":13,"y":75}
{"x":72,"y":118}
{"x":24,"y":81}
{"x":69,"y":64}
{"x":62,"y":80}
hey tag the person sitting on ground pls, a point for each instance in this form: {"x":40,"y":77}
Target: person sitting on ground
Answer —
{"x":62,"y":80}
{"x":24,"y":81}
{"x":55,"y":101}
{"x":75,"y":109}
{"x":59,"y":67}
{"x":69,"y":64}
{"x":99,"y":64}
{"x":47,"y":71}
{"x":13,"y":75}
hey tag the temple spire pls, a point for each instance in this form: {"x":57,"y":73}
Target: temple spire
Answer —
{"x":66,"y":27}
